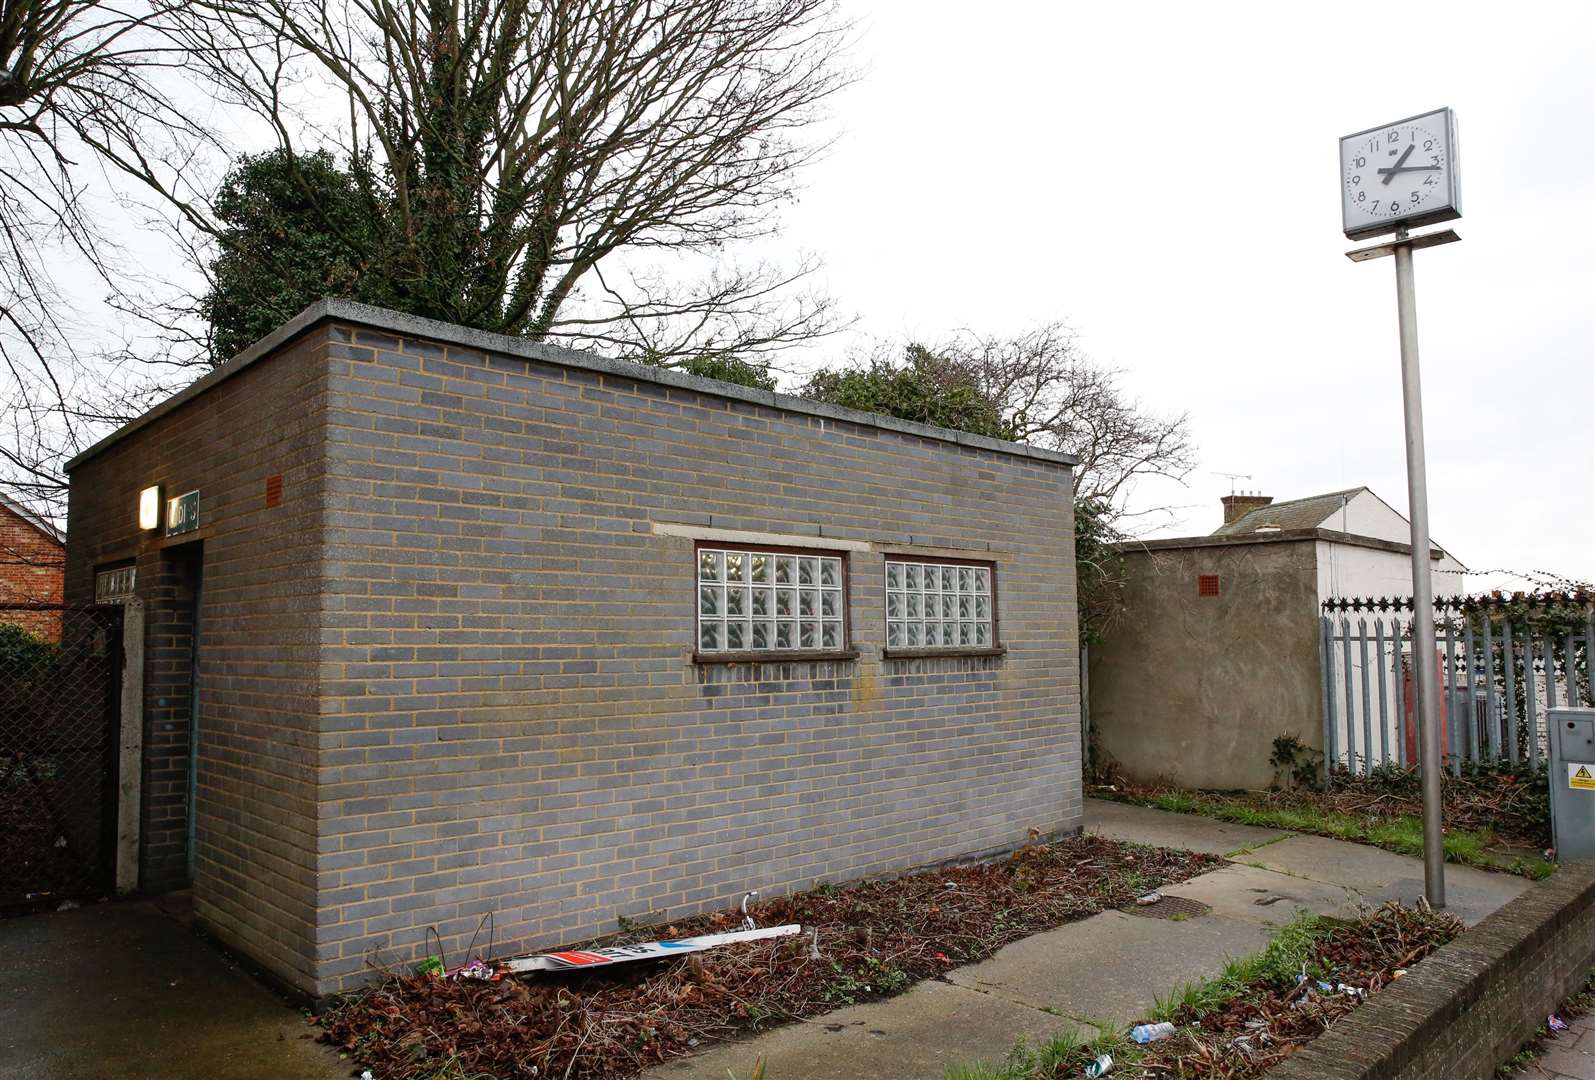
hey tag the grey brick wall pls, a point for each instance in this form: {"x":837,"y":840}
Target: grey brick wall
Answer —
{"x":498,"y":709}
{"x":1472,"y":1004}
{"x":510,"y":718}
{"x":255,"y":863}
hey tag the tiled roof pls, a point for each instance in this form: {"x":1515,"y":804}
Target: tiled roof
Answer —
{"x":1308,"y":513}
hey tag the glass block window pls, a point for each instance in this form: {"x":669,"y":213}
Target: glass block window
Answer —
{"x":939,"y":605}
{"x":770,"y":601}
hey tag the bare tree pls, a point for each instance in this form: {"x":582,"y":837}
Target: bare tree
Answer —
{"x":1052,"y":394}
{"x":81,"y":97}
{"x":1036,"y":387}
{"x":525,"y":158}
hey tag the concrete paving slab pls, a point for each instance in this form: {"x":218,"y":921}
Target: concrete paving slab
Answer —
{"x":1383,"y":875}
{"x":1111,"y":967}
{"x":122,"y":991}
{"x":1271,"y":899}
{"x":1470,"y":894}
{"x":1567,"y":1061}
{"x":1144,"y":825}
{"x":915,"y":1035}
{"x":1322,"y":859}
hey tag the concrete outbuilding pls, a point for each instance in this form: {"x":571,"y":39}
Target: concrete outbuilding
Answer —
{"x":1219,"y":648}
{"x":443,"y":624}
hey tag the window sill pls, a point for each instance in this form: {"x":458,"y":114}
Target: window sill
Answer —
{"x":928,"y":654}
{"x":788,"y":656}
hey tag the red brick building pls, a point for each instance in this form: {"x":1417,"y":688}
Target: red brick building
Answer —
{"x":32,"y":557}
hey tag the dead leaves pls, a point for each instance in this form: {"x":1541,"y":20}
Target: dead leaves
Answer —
{"x":872,"y":939}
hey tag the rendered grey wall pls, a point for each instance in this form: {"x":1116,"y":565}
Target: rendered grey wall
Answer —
{"x":510,"y":719}
{"x":1194,"y":689}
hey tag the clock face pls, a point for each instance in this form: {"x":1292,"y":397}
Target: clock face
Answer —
{"x":1402,"y":174}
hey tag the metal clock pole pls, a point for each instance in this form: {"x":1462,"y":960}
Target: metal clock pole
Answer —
{"x":1428,"y":690}
{"x":1362,"y":172}
{"x":1426,"y":685}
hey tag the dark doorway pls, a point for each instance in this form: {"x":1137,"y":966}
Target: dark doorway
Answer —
{"x":171,"y":721}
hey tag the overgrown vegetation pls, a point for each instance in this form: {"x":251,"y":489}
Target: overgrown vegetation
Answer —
{"x":1258,"y":1011}
{"x":23,"y":652}
{"x":860,"y":942}
{"x":1496,"y":815}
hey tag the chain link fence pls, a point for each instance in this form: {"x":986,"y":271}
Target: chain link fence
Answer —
{"x":58,"y":703}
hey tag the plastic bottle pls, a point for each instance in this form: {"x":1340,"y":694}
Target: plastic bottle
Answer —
{"x":1100,"y":1066}
{"x":1147,"y":1033}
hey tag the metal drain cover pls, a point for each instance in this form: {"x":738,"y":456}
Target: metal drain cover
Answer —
{"x":1169,"y":907}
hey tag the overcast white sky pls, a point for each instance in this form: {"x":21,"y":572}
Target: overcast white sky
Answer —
{"x":1165,"y":178}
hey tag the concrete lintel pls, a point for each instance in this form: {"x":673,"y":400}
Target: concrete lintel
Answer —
{"x":743,"y":536}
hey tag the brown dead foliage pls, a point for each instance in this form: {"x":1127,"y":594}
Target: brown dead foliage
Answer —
{"x":1270,"y":1019}
{"x":862,"y":941}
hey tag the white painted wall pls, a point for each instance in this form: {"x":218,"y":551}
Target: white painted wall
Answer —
{"x":1346,"y":570}
{"x":1366,"y":514}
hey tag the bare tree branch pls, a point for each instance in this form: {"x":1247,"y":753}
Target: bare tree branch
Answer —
{"x":82,"y":97}
{"x":511,"y":147}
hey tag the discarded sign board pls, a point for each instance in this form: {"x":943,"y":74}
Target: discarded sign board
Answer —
{"x":583,"y":959}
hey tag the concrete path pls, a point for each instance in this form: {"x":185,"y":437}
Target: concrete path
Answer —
{"x":1102,"y":972}
{"x":125,"y":991}
{"x":1570,"y":1056}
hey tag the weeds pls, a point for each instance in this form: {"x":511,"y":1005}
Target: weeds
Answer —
{"x":1259,"y":1010}
{"x":1305,"y":812}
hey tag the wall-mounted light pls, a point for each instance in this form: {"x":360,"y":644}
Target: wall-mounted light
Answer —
{"x":149,"y":508}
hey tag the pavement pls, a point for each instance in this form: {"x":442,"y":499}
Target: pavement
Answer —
{"x":1104,"y":972}
{"x":127,"y":991}
{"x":1570,"y":1056}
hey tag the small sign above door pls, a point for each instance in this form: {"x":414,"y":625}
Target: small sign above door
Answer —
{"x":182,"y":513}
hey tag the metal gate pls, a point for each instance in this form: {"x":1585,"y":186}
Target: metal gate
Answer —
{"x":59,"y":693}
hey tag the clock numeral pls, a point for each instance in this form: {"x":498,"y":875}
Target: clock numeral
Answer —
{"x":1416,"y":196}
{"x":1355,"y":179}
{"x":1429,"y":181}
{"x":1428,"y":144}
{"x":1360,"y":162}
{"x":1395,"y":207}
{"x":1394,"y":135}
{"x":1435,"y":158}
{"x":1362,"y":196}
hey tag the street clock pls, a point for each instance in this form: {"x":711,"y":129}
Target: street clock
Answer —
{"x":1400,"y":175}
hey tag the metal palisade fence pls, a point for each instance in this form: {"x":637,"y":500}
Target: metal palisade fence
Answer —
{"x":1502,"y":663}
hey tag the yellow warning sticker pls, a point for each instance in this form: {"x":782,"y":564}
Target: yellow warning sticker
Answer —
{"x":1580,"y":776}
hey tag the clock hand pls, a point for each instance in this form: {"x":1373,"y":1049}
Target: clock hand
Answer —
{"x":1389,"y":174}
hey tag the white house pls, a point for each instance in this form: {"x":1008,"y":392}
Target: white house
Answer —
{"x":1347,"y":564}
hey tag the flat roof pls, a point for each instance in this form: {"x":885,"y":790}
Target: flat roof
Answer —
{"x":1289,"y":536}
{"x":413,"y":326}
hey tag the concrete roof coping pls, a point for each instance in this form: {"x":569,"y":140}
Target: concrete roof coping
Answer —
{"x":414,"y":326}
{"x":1175,"y":543}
